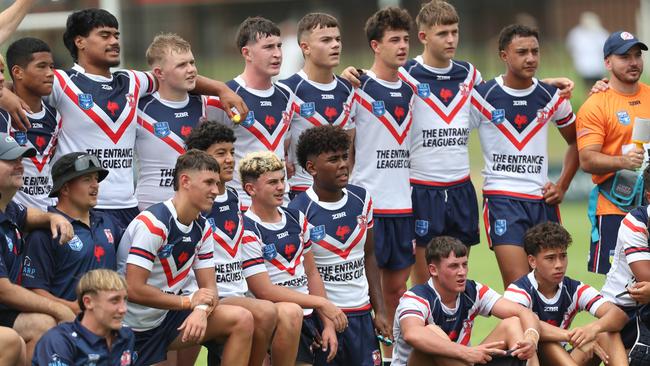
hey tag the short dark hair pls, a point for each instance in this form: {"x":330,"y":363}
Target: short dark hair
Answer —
{"x":195,"y":160}
{"x":547,"y":235}
{"x":82,"y":22}
{"x":21,"y":52}
{"x":254,"y":28}
{"x":207,"y":134}
{"x":312,"y":21}
{"x":442,"y":247}
{"x":436,"y":12}
{"x":646,"y":179}
{"x":318,"y":140}
{"x":390,"y":18}
{"x":515,"y":30}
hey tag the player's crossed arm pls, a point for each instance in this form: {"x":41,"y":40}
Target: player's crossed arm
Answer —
{"x":525,"y":348}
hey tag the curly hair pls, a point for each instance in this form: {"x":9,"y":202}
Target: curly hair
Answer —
{"x":319,"y":140}
{"x":254,"y":164}
{"x":207,"y":134}
{"x":547,"y":235}
{"x":442,"y":247}
{"x":390,"y":18}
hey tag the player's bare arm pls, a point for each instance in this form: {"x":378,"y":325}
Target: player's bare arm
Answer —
{"x":61,"y":228}
{"x":26,"y":301}
{"x":593,"y":161}
{"x":329,"y":341}
{"x":554,"y":193}
{"x":73,"y":305}
{"x":380,"y":320}
{"x":610,"y":319}
{"x":565,"y":85}
{"x":196,"y":324}
{"x":526,"y":347}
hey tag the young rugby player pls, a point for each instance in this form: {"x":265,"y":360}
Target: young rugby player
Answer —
{"x":340,"y":215}
{"x":277,"y":259}
{"x":434,"y":321}
{"x":512,"y":113}
{"x":164,"y":243}
{"x":277,"y":325}
{"x":556,"y":299}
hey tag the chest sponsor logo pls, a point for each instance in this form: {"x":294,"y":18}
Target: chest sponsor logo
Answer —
{"x":498,"y":116}
{"x":317,"y":233}
{"x":550,"y":308}
{"x":269,"y":252}
{"x":76,"y":244}
{"x":623,"y":117}
{"x":85,"y":101}
{"x":307,"y":109}
{"x":424,"y":91}
{"x":161,"y":129}
{"x":181,"y":114}
{"x":378,"y":108}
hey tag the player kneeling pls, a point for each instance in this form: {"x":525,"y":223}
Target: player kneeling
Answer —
{"x":166,"y":241}
{"x":556,"y":299}
{"x":433,"y":322}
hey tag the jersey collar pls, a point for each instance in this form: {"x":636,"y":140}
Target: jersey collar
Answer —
{"x":328,"y":205}
{"x":98,"y":78}
{"x":533,"y":282}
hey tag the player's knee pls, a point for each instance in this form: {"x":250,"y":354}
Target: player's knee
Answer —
{"x":244,"y":321}
{"x":33,"y":325}
{"x":265,"y":316}
{"x":290,"y":314}
{"x":11,"y":342}
{"x":511,"y":325}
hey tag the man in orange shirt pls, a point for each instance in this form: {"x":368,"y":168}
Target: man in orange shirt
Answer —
{"x":604,"y":127}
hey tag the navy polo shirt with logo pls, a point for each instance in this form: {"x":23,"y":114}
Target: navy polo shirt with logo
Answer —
{"x":57,"y":268}
{"x":12,"y":224}
{"x":73,"y":344}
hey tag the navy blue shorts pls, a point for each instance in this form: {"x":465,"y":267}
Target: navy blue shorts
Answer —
{"x":309,"y":333}
{"x":629,"y":333}
{"x":450,"y":211}
{"x":601,"y":252}
{"x":8,"y":317}
{"x":358,"y":344}
{"x":151,"y":345}
{"x":394,"y":242}
{"x":121,"y":217}
{"x":507,"y":219}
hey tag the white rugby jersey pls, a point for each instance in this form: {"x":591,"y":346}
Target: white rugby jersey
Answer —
{"x":383,"y":118}
{"x":264,"y":128}
{"x":441,"y":121}
{"x":42,"y":136}
{"x":315,"y":104}
{"x":572,"y":296}
{"x":338,"y":236}
{"x":227,"y":231}
{"x":513,"y":129}
{"x":423,"y":302}
{"x":631,"y":246}
{"x":278,"y":249}
{"x":162,"y":129}
{"x":156,"y":241}
{"x":99,"y":117}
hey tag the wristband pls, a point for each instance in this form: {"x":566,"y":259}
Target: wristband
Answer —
{"x":186,"y":303}
{"x":203,"y":307}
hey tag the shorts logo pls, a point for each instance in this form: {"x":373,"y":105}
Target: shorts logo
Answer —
{"x":498,"y":116}
{"x":85,"y":101}
{"x":424,"y":90}
{"x":249,"y":120}
{"x":376,"y":358}
{"x":75,"y":243}
{"x":623,"y":117}
{"x":166,"y":251}
{"x":421,"y":227}
{"x":500,"y":227}
{"x":269,"y":251}
{"x":21,"y":137}
{"x":307,"y":109}
{"x":378,"y":108}
{"x":161,"y":129}
{"x":317,"y":233}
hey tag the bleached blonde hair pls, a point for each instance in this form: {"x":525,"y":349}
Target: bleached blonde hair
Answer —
{"x":254,"y":164}
{"x":98,"y":280}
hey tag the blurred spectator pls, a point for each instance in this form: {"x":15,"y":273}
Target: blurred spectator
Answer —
{"x":292,"y":59}
{"x":585,"y":43}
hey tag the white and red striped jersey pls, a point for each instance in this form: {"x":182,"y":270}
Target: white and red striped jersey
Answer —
{"x":264,"y":128}
{"x":42,"y":136}
{"x":631,"y":246}
{"x":571,"y":297}
{"x":513,"y":129}
{"x":162,"y":129}
{"x":278,"y":249}
{"x":156,"y":241}
{"x":315,"y":104}
{"x":441,"y":120}
{"x":99,"y":117}
{"x":338,"y":234}
{"x":382,"y":121}
{"x":423,"y":302}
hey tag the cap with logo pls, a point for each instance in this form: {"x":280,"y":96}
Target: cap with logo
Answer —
{"x":11,"y":150}
{"x":73,"y":165}
{"x":620,"y":42}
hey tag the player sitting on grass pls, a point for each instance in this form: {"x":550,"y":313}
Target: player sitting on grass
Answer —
{"x":433,"y":322}
{"x":556,"y":299}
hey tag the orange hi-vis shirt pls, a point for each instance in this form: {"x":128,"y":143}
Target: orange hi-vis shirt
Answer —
{"x":607,"y":119}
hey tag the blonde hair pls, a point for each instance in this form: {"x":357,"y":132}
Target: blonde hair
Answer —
{"x":436,"y":12}
{"x":163,"y":44}
{"x":98,"y":280}
{"x":254,"y":164}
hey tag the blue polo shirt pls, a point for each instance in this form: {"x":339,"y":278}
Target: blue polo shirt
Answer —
{"x":71,"y":343}
{"x":57,"y":268}
{"x":12,"y":224}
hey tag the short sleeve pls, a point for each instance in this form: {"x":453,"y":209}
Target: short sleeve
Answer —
{"x":633,"y":238}
{"x":215,"y":111}
{"x":487,"y":297}
{"x":354,"y":109}
{"x":517,"y":294}
{"x":590,"y":124}
{"x":477,"y":111}
{"x":54,"y":348}
{"x":147,"y":235}
{"x":369,"y":218}
{"x":305,"y":233}
{"x":564,"y":116}
{"x":54,"y":99}
{"x":18,"y":213}
{"x":148,"y":83}
{"x":39,"y":261}
{"x":252,"y":259}
{"x":205,"y":255}
{"x":347,"y":108}
{"x":478,"y":79}
{"x":589,"y":299}
{"x":412,"y":305}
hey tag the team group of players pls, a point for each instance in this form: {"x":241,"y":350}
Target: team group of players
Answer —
{"x":280,"y":222}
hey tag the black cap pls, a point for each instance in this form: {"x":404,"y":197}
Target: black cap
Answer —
{"x":620,"y":42}
{"x":11,"y":150}
{"x":66,"y":169}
